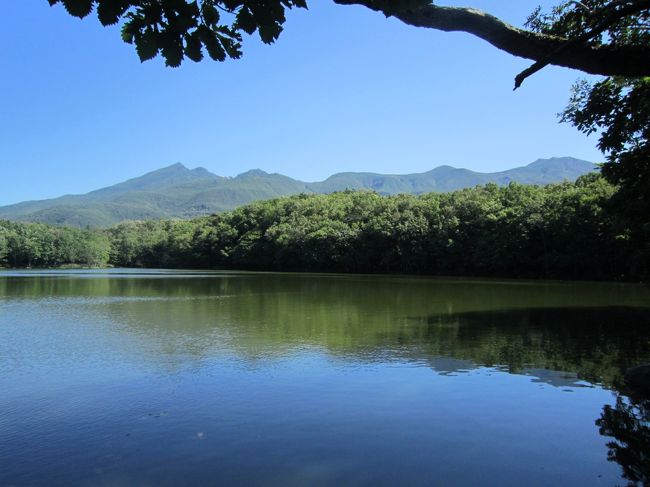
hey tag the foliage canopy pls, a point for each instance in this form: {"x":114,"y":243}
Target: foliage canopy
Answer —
{"x":606,"y":37}
{"x":560,"y":230}
{"x":178,"y":28}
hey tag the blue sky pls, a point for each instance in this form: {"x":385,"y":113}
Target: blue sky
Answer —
{"x":344,"y":89}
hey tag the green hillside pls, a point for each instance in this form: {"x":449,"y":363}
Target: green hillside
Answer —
{"x":179,"y":192}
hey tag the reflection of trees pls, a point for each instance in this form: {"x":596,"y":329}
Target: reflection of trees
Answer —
{"x":628,"y":423}
{"x":596,"y":343}
{"x":523,"y":327}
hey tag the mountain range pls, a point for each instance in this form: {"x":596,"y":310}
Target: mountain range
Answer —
{"x":178,"y":192}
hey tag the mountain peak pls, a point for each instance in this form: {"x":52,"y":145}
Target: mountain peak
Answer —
{"x":445,"y":168}
{"x":173,"y":169}
{"x":201,"y":171}
{"x":560,"y":162}
{"x":177,"y":166}
{"x":252,"y":173}
{"x":175,"y":191}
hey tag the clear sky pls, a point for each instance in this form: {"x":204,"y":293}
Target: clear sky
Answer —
{"x":344,"y":89}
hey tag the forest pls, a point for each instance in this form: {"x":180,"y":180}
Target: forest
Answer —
{"x":567,"y":230}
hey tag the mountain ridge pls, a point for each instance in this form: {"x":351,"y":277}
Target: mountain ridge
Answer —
{"x":176,"y":191}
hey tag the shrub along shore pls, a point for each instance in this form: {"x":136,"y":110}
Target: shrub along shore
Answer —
{"x":568,"y":230}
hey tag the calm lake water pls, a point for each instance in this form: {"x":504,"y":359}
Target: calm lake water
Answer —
{"x":157,"y":378}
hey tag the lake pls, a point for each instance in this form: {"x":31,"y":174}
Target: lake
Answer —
{"x":126,"y":377}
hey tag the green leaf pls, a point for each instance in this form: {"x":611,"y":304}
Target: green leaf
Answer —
{"x":131,"y":28}
{"x":210,"y":14}
{"x":231,"y":47}
{"x":173,"y":54}
{"x":246,"y":21}
{"x":270,"y":32}
{"x":146,"y":45}
{"x":128,"y":32}
{"x":110,"y":11}
{"x":215,"y":50}
{"x":212,"y":44}
{"x":193,"y":47}
{"x":78,"y":8}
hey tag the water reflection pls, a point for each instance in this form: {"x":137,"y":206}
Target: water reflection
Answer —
{"x":597,"y":344}
{"x":627,"y":423}
{"x":470,"y":373}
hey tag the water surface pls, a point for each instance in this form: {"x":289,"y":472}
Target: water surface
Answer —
{"x":194,"y":378}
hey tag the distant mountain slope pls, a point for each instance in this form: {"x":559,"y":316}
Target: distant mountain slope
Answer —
{"x":179,"y":192}
{"x":447,"y":178}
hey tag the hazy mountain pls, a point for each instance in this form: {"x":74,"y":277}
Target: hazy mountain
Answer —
{"x":447,"y":178}
{"x":177,"y":191}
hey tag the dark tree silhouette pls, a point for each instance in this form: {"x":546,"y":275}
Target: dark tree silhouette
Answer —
{"x":628,"y":423}
{"x":186,"y":28}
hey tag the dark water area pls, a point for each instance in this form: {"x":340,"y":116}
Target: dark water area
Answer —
{"x":161,"y":378}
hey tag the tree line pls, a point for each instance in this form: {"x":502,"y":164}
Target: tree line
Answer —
{"x":567,"y":230}
{"x":41,"y":245}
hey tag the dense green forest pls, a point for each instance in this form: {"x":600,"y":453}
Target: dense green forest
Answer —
{"x":568,"y":230}
{"x":179,"y":192}
{"x":41,"y":245}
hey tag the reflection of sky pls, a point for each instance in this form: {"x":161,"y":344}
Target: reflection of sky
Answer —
{"x":303,"y":419}
{"x":556,"y":378}
{"x":309,"y":383}
{"x":448,"y":366}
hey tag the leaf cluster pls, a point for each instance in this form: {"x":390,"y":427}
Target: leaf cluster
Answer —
{"x":179,"y":29}
{"x":615,"y":108}
{"x":613,"y":22}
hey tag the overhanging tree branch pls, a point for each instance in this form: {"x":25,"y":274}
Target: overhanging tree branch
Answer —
{"x":608,"y":19}
{"x":622,"y":60}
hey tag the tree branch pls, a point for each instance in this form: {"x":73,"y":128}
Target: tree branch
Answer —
{"x":598,"y":29}
{"x":628,"y":61}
